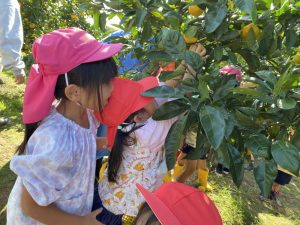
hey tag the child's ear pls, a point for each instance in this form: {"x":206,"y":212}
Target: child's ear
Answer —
{"x":72,"y":93}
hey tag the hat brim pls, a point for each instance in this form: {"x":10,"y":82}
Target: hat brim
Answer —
{"x":145,"y":85}
{"x":161,"y":211}
{"x":104,"y":51}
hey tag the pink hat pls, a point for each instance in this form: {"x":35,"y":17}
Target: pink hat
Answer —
{"x":125,"y":99}
{"x":57,"y":53}
{"x":178,"y":204}
{"x":231,"y":70}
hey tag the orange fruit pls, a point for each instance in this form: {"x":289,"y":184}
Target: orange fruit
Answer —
{"x":195,"y":10}
{"x":74,"y":17}
{"x":32,"y":25}
{"x":189,"y":40}
{"x":299,"y":49}
{"x":246,"y":29}
{"x":297,"y":59}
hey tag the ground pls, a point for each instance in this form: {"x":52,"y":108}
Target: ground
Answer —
{"x":237,"y":206}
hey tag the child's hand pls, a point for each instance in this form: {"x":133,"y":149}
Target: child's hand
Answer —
{"x":90,"y":219}
{"x":199,"y":49}
{"x":101,"y":142}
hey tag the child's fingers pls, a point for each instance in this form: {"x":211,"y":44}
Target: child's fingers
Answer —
{"x":193,"y":47}
{"x":96,"y":212}
{"x":202,"y":53}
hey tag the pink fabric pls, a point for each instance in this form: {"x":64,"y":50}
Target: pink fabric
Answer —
{"x":125,"y":99}
{"x":175,"y":203}
{"x":231,"y":70}
{"x":57,"y":53}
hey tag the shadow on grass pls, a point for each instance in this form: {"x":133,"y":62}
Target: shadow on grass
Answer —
{"x":242,"y":205}
{"x":12,"y":109}
{"x":7,"y":180}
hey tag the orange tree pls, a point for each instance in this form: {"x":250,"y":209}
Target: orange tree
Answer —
{"x":40,"y":17}
{"x":258,"y":37}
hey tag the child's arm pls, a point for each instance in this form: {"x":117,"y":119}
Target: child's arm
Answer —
{"x":52,"y":215}
{"x":190,"y":72}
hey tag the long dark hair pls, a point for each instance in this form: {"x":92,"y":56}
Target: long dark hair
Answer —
{"x":89,"y":76}
{"x":123,"y":137}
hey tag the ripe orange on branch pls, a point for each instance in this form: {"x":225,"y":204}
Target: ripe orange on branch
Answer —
{"x":246,"y":29}
{"x":195,"y":10}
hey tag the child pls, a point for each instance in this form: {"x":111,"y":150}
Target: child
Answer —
{"x":56,"y":161}
{"x":176,"y":204}
{"x":137,"y":156}
{"x":190,"y":160}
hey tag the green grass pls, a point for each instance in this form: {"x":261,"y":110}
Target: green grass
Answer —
{"x":237,"y":206}
{"x":10,"y":135}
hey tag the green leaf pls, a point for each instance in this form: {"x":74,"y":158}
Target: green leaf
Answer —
{"x":194,"y":60}
{"x":171,"y":109}
{"x":231,"y":34}
{"x":171,"y":41}
{"x":203,"y":90}
{"x":251,"y":59}
{"x":169,"y":92}
{"x":215,"y":16}
{"x":295,"y":139}
{"x":218,"y":53}
{"x":291,"y":38}
{"x":147,"y":32}
{"x":259,"y":145}
{"x":213,"y":124}
{"x":265,"y":174}
{"x":248,"y":111}
{"x":283,"y":79}
{"x":159,"y":56}
{"x":267,"y":76}
{"x":230,"y":124}
{"x":163,"y":92}
{"x":168,"y":75}
{"x":191,"y":32}
{"x":236,"y":166}
{"x":102,"y":21}
{"x":287,"y":103}
{"x":247,"y":6}
{"x":247,"y":122}
{"x":96,"y":18}
{"x":246,"y":91}
{"x":224,"y":90}
{"x":287,"y":156}
{"x":140,"y":16}
{"x":202,"y":145}
{"x":173,"y":141}
{"x":266,"y":38}
{"x":173,"y":18}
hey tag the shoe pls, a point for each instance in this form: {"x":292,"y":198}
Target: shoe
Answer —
{"x":219,"y":170}
{"x":261,"y":197}
{"x":177,"y":171}
{"x":250,"y":167}
{"x":202,"y":178}
{"x":4,"y":121}
{"x":167,"y":177}
{"x":275,"y":196}
{"x":225,"y":171}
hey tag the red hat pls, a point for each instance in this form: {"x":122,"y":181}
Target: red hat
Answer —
{"x":125,"y":99}
{"x":169,"y":67}
{"x":178,"y":204}
{"x":57,"y":53}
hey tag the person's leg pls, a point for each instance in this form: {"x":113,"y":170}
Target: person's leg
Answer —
{"x":203,"y":173}
{"x":281,"y":179}
{"x":190,"y":168}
